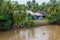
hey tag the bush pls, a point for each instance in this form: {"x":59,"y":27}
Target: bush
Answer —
{"x":53,"y":18}
{"x":5,"y":20}
{"x":29,"y":23}
{"x":5,"y":25}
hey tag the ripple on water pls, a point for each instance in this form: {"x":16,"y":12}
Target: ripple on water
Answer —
{"x":40,"y":33}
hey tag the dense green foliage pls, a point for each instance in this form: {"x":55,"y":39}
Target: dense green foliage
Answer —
{"x":54,"y":12}
{"x":14,"y":14}
{"x":5,"y":16}
{"x":53,"y":19}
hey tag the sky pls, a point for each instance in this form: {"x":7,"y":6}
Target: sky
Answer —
{"x":24,"y":1}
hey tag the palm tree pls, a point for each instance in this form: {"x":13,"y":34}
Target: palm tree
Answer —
{"x":28,"y":4}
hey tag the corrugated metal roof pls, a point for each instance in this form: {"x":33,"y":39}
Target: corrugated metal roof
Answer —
{"x":38,"y":14}
{"x":41,"y":13}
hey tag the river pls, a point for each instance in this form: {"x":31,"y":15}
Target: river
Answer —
{"x":48,"y":32}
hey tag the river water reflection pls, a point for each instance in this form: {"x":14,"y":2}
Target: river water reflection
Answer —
{"x":49,"y":32}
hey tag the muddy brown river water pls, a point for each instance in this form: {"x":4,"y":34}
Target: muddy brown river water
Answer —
{"x":48,"y":32}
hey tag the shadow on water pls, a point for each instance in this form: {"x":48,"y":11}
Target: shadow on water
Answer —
{"x":48,"y":32}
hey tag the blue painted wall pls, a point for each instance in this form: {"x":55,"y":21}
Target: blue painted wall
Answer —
{"x":39,"y":17}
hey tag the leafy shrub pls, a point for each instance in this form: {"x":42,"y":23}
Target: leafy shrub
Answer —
{"x":29,"y":23}
{"x":5,"y":22}
{"x":5,"y":25}
{"x":53,"y":18}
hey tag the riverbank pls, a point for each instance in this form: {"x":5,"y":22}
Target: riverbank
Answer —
{"x":38,"y":23}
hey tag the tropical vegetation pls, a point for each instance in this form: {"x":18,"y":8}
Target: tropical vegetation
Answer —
{"x":13,"y":14}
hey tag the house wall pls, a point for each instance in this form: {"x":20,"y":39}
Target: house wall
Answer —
{"x":39,"y":17}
